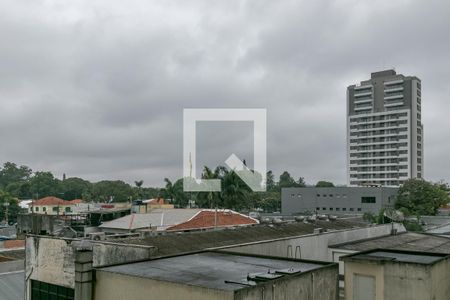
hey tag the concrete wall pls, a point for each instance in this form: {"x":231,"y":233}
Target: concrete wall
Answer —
{"x":111,"y":253}
{"x":316,"y":285}
{"x":440,"y":280}
{"x":110,"y":286}
{"x":36,"y":223}
{"x":402,"y":281}
{"x":334,"y":200}
{"x":52,"y":260}
{"x":313,"y":246}
{"x":377,"y":271}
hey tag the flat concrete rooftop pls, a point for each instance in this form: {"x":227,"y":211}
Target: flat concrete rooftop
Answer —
{"x":387,"y":255}
{"x":404,"y":241}
{"x":216,"y":270}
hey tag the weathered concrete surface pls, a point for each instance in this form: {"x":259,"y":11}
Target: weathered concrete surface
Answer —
{"x":38,"y":224}
{"x":312,"y":246}
{"x":320,"y":284}
{"x":52,"y":260}
{"x":396,"y":280}
{"x":111,"y":286}
{"x":108,"y":253}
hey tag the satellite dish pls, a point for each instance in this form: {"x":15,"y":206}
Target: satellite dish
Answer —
{"x":394,"y":215}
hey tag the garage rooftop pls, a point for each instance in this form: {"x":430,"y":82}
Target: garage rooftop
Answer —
{"x":387,"y":255}
{"x":217,"y":270}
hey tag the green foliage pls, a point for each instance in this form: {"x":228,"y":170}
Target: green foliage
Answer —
{"x":413,"y":226}
{"x":20,"y":182}
{"x":10,"y":204}
{"x":117,"y":190}
{"x":11,"y":173}
{"x":419,"y":197}
{"x":43,"y":184}
{"x":323,"y":183}
{"x":74,"y":188}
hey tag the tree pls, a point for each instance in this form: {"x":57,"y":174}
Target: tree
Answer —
{"x":11,"y":173}
{"x":323,"y":183}
{"x":10,"y":204}
{"x":270,"y":181}
{"x":74,"y":188}
{"x":286,"y":180}
{"x":43,"y":184}
{"x":117,"y":190}
{"x":419,"y":197}
{"x":139,"y":184}
{"x":234,"y":192}
{"x":209,"y":199}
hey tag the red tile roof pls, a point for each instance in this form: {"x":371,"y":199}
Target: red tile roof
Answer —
{"x":50,"y":201}
{"x":76,"y":201}
{"x":14,"y":244}
{"x":157,"y":201}
{"x":207,"y":219}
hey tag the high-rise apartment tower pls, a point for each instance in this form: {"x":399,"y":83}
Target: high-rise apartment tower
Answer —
{"x":384,"y":130}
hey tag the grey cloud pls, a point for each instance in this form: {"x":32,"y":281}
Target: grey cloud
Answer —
{"x":97,"y":89}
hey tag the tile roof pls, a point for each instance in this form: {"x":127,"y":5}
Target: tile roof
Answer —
{"x":211,"y":218}
{"x":169,"y":243}
{"x":160,"y":218}
{"x":50,"y":201}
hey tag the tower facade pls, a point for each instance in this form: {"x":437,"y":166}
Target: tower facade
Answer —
{"x":384,"y":130}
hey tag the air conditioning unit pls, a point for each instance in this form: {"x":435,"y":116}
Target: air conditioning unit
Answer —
{"x":97,"y":236}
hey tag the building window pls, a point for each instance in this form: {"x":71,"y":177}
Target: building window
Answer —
{"x":368,"y":200}
{"x":344,"y":209}
{"x":324,"y":195}
{"x":67,"y":209}
{"x":359,"y":208}
{"x":331,"y":195}
{"x":41,"y":290}
{"x":292,"y":195}
{"x":331,"y":208}
{"x":55,"y":208}
{"x":36,"y":208}
{"x":351,"y":209}
{"x":317,"y":208}
{"x":338,"y":209}
{"x":44,"y":208}
{"x":324,"y":208}
{"x":318,"y":195}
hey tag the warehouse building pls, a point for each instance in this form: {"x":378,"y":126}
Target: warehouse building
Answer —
{"x":337,"y":200}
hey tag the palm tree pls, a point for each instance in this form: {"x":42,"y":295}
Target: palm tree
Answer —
{"x":208,"y":199}
{"x":235,"y":191}
{"x":139,"y":184}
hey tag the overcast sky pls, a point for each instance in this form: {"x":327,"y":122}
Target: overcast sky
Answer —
{"x":96,"y":89}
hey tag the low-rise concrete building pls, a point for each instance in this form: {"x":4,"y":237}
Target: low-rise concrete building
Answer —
{"x":337,"y":200}
{"x":52,"y":206}
{"x":218,"y":275}
{"x":384,"y":274}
